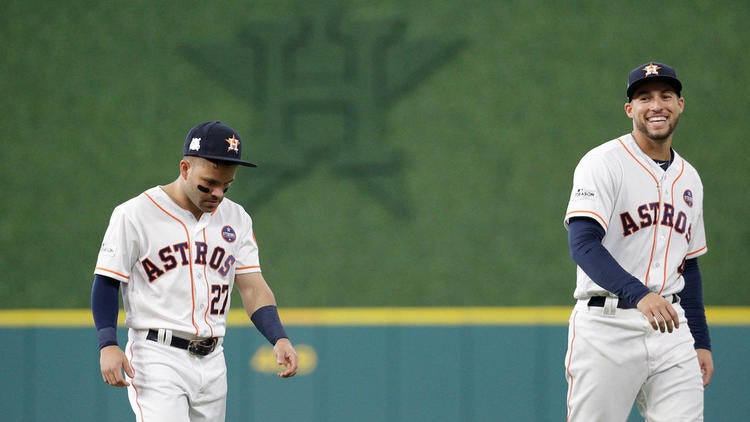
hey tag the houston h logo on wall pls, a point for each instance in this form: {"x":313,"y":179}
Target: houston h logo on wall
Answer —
{"x":322,"y":84}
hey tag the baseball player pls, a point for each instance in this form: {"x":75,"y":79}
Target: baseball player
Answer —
{"x":177,"y":251}
{"x":638,"y":331}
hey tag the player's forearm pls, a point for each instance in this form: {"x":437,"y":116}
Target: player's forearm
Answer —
{"x":691,"y":300}
{"x":262,"y":298}
{"x":254,"y":292}
{"x":265,"y":317}
{"x":260,"y":304}
{"x":585,"y":241}
{"x":105,"y":308}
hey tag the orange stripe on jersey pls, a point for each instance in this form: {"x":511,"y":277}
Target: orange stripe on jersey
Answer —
{"x":691,"y":253}
{"x":653,"y":176}
{"x":133,"y":382}
{"x":671,"y":230}
{"x":596,"y":216}
{"x":112,"y":272}
{"x":656,"y":224}
{"x":256,"y":245}
{"x":567,"y":364}
{"x":208,"y":289}
{"x":190,"y":255}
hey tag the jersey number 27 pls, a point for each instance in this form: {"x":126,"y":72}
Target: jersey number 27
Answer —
{"x":219,"y":292}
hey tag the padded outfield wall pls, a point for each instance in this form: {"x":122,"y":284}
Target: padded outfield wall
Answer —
{"x":384,"y":364}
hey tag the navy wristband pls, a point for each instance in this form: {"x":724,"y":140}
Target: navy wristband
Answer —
{"x":107,"y":336}
{"x":105,"y":307}
{"x":266,"y":320}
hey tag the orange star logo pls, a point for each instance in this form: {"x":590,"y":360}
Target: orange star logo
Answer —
{"x":234,"y":144}
{"x":651,"y":69}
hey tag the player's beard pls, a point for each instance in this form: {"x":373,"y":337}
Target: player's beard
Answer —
{"x":664,"y":134}
{"x":205,"y":203}
{"x":210,"y":205}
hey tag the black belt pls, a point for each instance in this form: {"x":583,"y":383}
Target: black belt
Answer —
{"x":201,"y":347}
{"x":598,"y":301}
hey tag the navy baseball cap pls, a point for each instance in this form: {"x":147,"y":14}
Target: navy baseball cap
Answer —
{"x":215,"y":141}
{"x":652,"y":71}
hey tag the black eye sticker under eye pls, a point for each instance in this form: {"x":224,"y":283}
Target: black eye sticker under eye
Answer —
{"x":203,"y":188}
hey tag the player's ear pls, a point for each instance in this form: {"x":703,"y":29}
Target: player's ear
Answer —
{"x":629,"y":109}
{"x":184,"y":168}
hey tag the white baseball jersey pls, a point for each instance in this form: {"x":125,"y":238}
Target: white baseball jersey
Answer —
{"x":177,"y":273}
{"x":653,"y":218}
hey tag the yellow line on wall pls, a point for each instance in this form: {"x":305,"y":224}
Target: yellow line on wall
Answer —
{"x":397,"y":316}
{"x":425,"y":316}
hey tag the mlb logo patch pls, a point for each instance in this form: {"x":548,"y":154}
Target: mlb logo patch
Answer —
{"x":687,"y":196}
{"x":228,"y":233}
{"x":195,"y":144}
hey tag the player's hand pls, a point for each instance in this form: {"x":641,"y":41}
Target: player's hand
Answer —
{"x":706,"y":362}
{"x":112,"y":361}
{"x":659,"y":313}
{"x":286,"y":356}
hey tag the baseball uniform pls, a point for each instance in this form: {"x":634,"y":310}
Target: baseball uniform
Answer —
{"x":176,"y":252}
{"x":651,"y":217}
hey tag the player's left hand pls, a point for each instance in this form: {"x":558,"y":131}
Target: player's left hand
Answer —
{"x":113,"y":361}
{"x":286,"y":356}
{"x":706,"y":362}
{"x":659,"y":313}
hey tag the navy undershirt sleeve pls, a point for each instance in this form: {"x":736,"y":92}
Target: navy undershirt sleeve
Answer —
{"x":585,"y":241}
{"x":691,"y":300}
{"x":105,"y":308}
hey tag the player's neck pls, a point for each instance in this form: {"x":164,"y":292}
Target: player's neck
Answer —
{"x":175,"y":193}
{"x":658,"y":149}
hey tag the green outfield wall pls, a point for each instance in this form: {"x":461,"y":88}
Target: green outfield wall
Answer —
{"x":377,"y":364}
{"x":411,"y":152}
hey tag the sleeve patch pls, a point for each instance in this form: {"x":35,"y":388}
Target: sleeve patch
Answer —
{"x":583,"y":194}
{"x":107,"y":250}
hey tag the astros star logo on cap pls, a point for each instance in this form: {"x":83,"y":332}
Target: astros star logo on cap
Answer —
{"x":234,"y":144}
{"x":651,"y":69}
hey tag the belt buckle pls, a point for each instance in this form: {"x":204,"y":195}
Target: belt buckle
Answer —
{"x":202,"y":347}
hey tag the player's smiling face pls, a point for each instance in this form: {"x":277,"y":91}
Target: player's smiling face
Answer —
{"x":655,"y":109}
{"x":206,"y":183}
